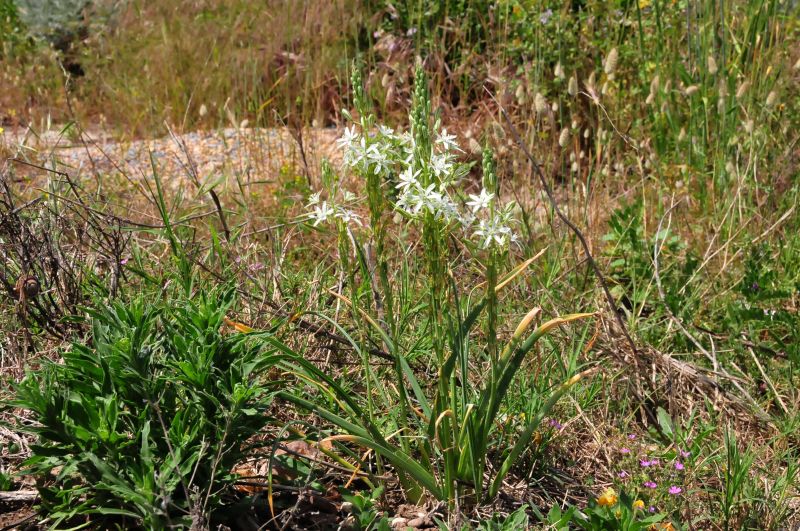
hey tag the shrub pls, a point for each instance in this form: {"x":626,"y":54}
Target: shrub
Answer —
{"x":144,"y":424}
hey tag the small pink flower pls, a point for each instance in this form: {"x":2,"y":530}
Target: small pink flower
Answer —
{"x":632,"y":436}
{"x":675,"y":490}
{"x":652,"y":509}
{"x":650,"y":484}
{"x":123,"y":261}
{"x":685,"y":455}
{"x":645,"y":463}
{"x":624,"y":450}
{"x":679,"y":465}
{"x":655,"y":462}
{"x":623,"y":474}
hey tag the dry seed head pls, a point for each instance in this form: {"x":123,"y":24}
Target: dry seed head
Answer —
{"x":586,"y":133}
{"x":574,"y":124}
{"x":611,"y":62}
{"x":650,"y":99}
{"x":605,"y":88}
{"x":730,"y":168}
{"x":682,"y":135}
{"x":385,"y":80}
{"x":520,"y":94}
{"x":554,"y":106}
{"x":540,"y":103}
{"x":590,"y":83}
{"x":749,"y":125}
{"x":721,"y":105}
{"x":742,"y":90}
{"x":563,"y":138}
{"x":692,"y":89}
{"x":474,"y":147}
{"x":711,"y":63}
{"x":572,"y":88}
{"x":559,"y":71}
{"x":797,"y":64}
{"x":772,"y":98}
{"x":654,"y":83}
{"x":203,"y":110}
{"x":574,"y":167}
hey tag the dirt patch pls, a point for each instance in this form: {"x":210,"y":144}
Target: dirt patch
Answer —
{"x":251,"y":154}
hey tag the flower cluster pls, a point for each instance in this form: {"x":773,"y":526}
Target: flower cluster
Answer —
{"x":426,"y":179}
{"x":658,"y":479}
{"x":323,"y":211}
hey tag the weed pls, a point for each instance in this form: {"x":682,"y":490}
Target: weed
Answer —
{"x":146,"y":424}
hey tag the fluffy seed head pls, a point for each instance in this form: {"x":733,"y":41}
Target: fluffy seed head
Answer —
{"x":558,"y":71}
{"x":742,"y":90}
{"x":563,"y":138}
{"x":692,"y":89}
{"x":711,"y":63}
{"x":572,"y":88}
{"x":540,"y":103}
{"x":612,"y":59}
{"x":772,"y":99}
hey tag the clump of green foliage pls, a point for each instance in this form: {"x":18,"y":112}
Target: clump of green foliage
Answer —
{"x":143,"y":424}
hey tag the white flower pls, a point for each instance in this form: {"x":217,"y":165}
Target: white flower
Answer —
{"x":378,"y":158}
{"x":348,"y":138}
{"x":480,"y":201}
{"x":313,"y":199}
{"x":321,"y":213}
{"x":386,"y":131}
{"x":448,"y":141}
{"x":347,"y":216}
{"x":356,"y":153}
{"x":496,"y":232}
{"x":441,"y":165}
{"x":407,"y":179}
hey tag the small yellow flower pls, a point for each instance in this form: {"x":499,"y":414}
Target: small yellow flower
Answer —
{"x":608,"y":498}
{"x":638,"y":504}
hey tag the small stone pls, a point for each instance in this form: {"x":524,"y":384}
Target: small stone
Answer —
{"x":420,"y":523}
{"x":399,"y":523}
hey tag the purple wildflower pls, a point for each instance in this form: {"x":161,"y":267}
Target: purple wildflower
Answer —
{"x":555,"y":424}
{"x":645,"y":463}
{"x":679,"y":465}
{"x":652,"y":509}
{"x":544,"y":18}
{"x":655,"y":462}
{"x":624,"y":450}
{"x":123,"y":261}
{"x":675,"y":490}
{"x":632,"y":436}
{"x":623,"y":474}
{"x":650,"y":484}
{"x":685,"y":455}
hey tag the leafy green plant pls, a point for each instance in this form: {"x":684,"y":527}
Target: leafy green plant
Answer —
{"x":363,"y":511}
{"x":737,"y":465}
{"x":441,"y":446}
{"x":622,"y":513}
{"x":143,"y":424}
